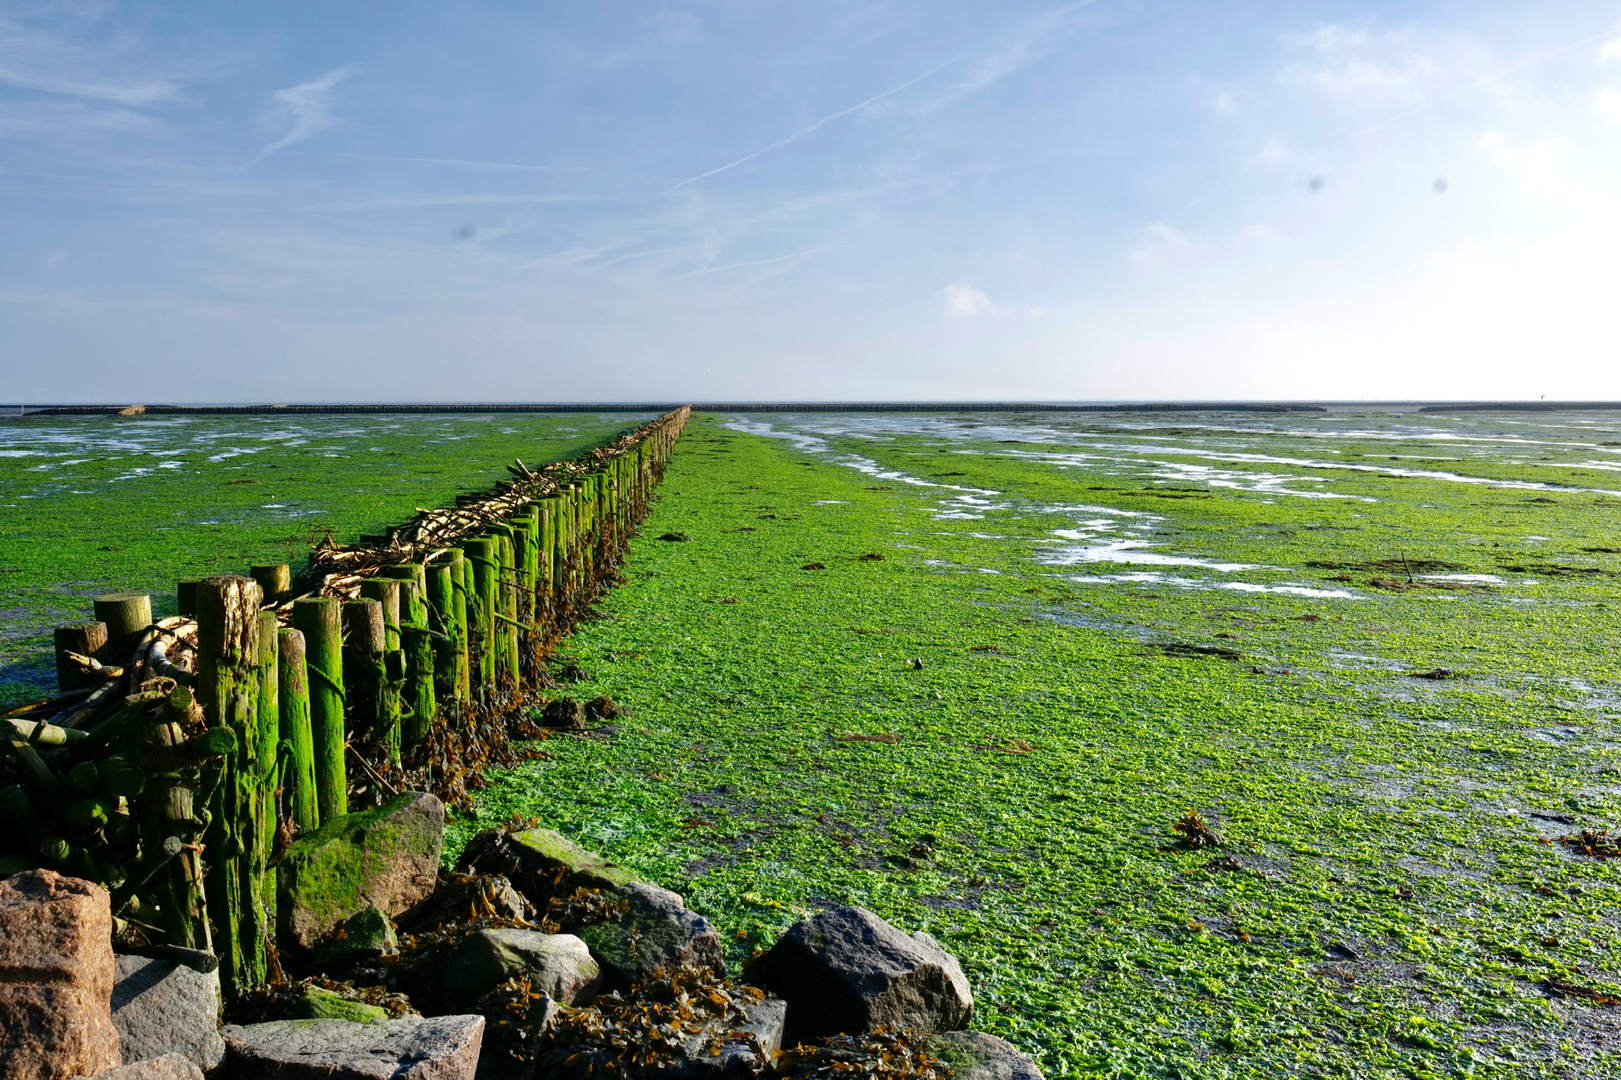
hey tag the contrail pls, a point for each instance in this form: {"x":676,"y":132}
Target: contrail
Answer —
{"x":804,"y":131}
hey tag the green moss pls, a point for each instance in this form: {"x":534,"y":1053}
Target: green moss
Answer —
{"x":329,"y":875}
{"x":585,"y":869}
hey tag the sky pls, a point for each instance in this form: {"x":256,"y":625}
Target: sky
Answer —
{"x":813,"y":201}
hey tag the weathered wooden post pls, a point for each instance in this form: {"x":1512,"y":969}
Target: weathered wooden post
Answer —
{"x":170,"y":823}
{"x":82,"y":638}
{"x":450,"y":649}
{"x":125,"y":613}
{"x":461,"y":577}
{"x":365,"y":640}
{"x":508,"y":652}
{"x":228,"y":659}
{"x":275,"y":581}
{"x":418,"y":702}
{"x":319,"y":619}
{"x":268,"y":743}
{"x":386,"y":591}
{"x":298,"y":767}
{"x":481,"y":555}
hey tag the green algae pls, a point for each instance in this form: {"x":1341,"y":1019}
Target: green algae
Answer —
{"x":93,"y":504}
{"x":1384,"y":902}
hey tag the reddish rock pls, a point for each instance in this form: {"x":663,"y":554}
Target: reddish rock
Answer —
{"x":56,"y":978}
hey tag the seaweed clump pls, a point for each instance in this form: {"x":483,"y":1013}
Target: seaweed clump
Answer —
{"x":880,"y":1053}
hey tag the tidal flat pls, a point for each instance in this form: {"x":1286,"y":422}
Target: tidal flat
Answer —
{"x":968,"y":671}
{"x":95,"y":504}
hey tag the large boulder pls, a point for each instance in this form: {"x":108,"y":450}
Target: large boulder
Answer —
{"x":847,"y":971}
{"x":974,"y":1055}
{"x":434,"y":1048}
{"x":558,"y":965}
{"x":386,"y":858}
{"x":56,"y":978}
{"x":466,"y":897}
{"x":164,"y":1067}
{"x":541,"y":863}
{"x":161,"y":1008}
{"x":652,"y":930}
{"x":365,"y":937}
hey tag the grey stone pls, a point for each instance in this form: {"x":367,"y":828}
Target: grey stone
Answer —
{"x":432,"y":1048}
{"x":746,"y":1047}
{"x":160,"y":1007}
{"x":165,"y":1067}
{"x":974,"y":1055}
{"x":467,"y":896}
{"x":741,"y":1041}
{"x":387,"y":858}
{"x":654,"y":931}
{"x":558,"y":965}
{"x":846,"y":971}
{"x":541,"y":863}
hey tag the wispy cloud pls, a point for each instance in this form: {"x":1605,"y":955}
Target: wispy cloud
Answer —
{"x":307,"y":102}
{"x":808,"y":129}
{"x":1029,"y":43}
{"x":965,"y":301}
{"x":36,"y":60}
{"x":459,"y":163}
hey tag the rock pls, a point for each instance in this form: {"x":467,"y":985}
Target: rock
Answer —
{"x":365,"y":936}
{"x":654,"y":930}
{"x":747,"y":1045}
{"x":974,"y":1055}
{"x":432,"y":1048}
{"x":164,"y":1067}
{"x":387,"y":858}
{"x":56,"y":978}
{"x":467,"y":896}
{"x":847,"y":971}
{"x":541,"y":863}
{"x":314,"y":1003}
{"x":161,"y":1008}
{"x":558,"y":965}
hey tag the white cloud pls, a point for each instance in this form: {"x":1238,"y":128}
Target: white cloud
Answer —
{"x":34,"y":60}
{"x":1608,"y":103}
{"x":965,"y":301}
{"x":1225,"y":105}
{"x":1611,"y":50}
{"x":308,"y":104}
{"x":1163,"y":245}
{"x":1370,"y":72}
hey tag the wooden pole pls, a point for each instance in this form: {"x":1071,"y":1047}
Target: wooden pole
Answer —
{"x":506,"y":622}
{"x":298,"y":767}
{"x":265,"y":779}
{"x":85,"y":639}
{"x":365,"y":638}
{"x":418,"y":702}
{"x":185,"y":594}
{"x":228,"y":690}
{"x":169,"y":822}
{"x":450,"y":649}
{"x":481,"y":556}
{"x":275,"y":581}
{"x":386,"y":591}
{"x":318,"y":618}
{"x":125,"y":613}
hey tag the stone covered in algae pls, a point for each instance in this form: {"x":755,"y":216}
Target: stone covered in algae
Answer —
{"x":386,"y":858}
{"x":541,"y":863}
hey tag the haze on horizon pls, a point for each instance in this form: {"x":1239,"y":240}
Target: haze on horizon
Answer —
{"x":836,"y":200}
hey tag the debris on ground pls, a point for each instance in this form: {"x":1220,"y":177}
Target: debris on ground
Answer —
{"x":1195,"y":831}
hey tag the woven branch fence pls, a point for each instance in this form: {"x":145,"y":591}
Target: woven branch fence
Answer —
{"x":182,"y":755}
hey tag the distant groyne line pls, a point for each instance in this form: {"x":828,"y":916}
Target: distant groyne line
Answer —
{"x":20,"y":411}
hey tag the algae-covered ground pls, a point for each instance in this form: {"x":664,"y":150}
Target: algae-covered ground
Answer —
{"x":93,"y":504}
{"x":1373,"y":651}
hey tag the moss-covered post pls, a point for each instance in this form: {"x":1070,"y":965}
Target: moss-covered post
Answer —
{"x":418,"y":702}
{"x":507,"y":626}
{"x":266,"y":779}
{"x":319,"y":619}
{"x":170,"y":822}
{"x":386,"y":591}
{"x":365,"y":643}
{"x":461,"y":577}
{"x":450,"y":648}
{"x":228,"y":666}
{"x":482,"y":559}
{"x":85,"y":639}
{"x":297,"y":736}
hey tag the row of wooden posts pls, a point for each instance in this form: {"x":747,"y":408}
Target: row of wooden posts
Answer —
{"x":312,"y":685}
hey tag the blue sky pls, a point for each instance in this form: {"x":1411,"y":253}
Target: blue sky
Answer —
{"x":870,"y":200}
